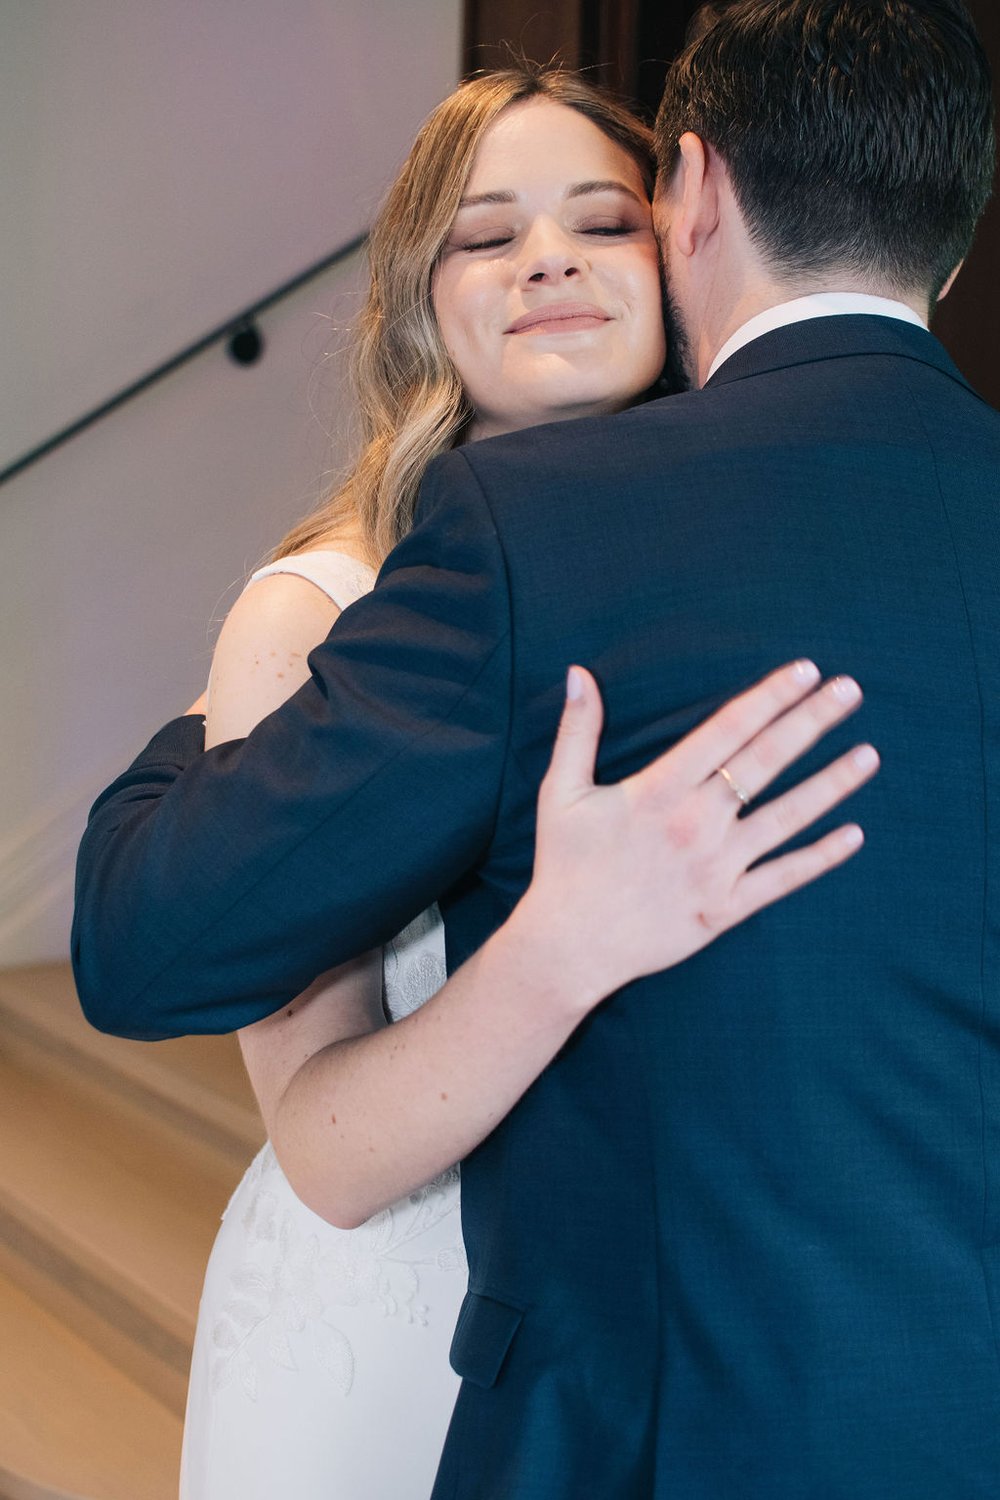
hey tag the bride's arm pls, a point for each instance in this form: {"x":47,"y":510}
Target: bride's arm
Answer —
{"x":628,"y":879}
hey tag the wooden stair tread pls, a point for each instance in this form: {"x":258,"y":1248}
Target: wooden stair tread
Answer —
{"x":122,"y":1196}
{"x":201,"y":1078}
{"x":71,"y":1425}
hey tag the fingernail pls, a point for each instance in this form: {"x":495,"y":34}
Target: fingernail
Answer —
{"x":805,"y":671}
{"x":852,"y":836}
{"x":574,"y":685}
{"x":865,"y":758}
{"x":845,"y":689}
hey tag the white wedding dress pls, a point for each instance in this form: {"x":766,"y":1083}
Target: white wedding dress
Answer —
{"x":320,"y":1367}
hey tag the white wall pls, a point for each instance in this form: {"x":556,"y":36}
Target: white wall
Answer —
{"x":172,"y":160}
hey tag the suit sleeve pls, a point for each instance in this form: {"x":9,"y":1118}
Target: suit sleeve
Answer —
{"x":213,"y":888}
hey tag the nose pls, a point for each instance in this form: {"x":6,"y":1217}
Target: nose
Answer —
{"x":550,"y":255}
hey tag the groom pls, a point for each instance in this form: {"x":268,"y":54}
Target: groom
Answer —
{"x":741,"y":1241}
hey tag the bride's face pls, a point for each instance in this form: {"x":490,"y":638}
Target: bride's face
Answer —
{"x":547,"y":292}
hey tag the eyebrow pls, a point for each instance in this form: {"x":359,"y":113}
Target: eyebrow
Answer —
{"x":602,"y":185}
{"x":578,"y":190}
{"x":476,"y":198}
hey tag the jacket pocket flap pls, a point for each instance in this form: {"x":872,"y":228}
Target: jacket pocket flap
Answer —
{"x":483,"y":1335}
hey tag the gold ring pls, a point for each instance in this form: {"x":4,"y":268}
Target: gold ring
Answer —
{"x":734,"y":786}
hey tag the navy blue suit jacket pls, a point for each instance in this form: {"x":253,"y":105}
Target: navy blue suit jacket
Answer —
{"x":741,"y":1240}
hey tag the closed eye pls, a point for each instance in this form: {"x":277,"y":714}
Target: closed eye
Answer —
{"x":492,"y":244}
{"x":610,"y":230}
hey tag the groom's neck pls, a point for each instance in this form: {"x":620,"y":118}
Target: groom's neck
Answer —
{"x":726,"y":315}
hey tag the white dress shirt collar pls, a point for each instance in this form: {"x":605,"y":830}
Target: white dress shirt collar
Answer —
{"x":819,"y":305}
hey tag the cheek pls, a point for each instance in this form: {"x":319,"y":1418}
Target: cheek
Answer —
{"x":445,"y":303}
{"x":645,"y":298}
{"x":462,"y":303}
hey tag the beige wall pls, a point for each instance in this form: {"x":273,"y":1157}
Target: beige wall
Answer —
{"x":170,"y":163}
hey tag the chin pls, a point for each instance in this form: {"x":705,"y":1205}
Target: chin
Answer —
{"x":563,"y":400}
{"x":586,"y":400}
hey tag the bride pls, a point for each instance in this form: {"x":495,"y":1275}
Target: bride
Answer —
{"x":514,"y":281}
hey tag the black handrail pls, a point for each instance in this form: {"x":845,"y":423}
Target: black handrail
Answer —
{"x":224,"y":331}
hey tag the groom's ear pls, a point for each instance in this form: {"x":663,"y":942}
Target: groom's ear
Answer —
{"x":942,"y":294}
{"x":696,"y":190}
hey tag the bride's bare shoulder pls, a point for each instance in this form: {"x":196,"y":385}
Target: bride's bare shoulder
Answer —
{"x":260,"y":658}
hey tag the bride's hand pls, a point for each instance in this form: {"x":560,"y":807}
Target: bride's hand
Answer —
{"x":636,"y":876}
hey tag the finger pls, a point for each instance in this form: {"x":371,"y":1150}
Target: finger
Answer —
{"x":776,"y":878}
{"x":574,"y":755}
{"x":771,"y":826}
{"x":779,"y":744}
{"x":696,"y":757}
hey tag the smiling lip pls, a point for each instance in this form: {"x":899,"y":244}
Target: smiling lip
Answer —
{"x":572,"y":315}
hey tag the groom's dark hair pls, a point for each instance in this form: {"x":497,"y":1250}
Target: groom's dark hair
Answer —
{"x":857,"y":133}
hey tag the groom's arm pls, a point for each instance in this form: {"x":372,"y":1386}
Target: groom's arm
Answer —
{"x":207,"y":897}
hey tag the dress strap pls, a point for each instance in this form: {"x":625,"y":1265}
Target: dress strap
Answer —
{"x":343,"y":579}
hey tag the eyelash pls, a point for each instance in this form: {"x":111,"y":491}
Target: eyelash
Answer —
{"x":604,"y":231}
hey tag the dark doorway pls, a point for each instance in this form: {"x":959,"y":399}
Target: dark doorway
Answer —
{"x":626,"y":44}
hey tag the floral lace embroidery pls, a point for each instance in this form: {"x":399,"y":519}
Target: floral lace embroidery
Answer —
{"x":295,"y":1267}
{"x":289,"y":1280}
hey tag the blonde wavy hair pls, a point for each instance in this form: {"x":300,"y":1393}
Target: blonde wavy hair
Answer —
{"x":409,"y":396}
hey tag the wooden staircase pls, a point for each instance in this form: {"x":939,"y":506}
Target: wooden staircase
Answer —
{"x":116,"y":1161}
